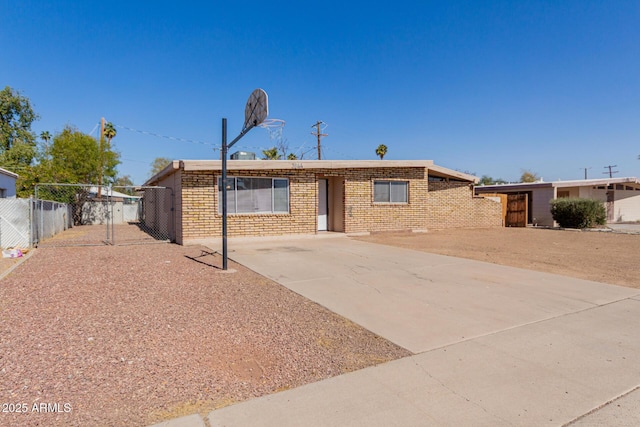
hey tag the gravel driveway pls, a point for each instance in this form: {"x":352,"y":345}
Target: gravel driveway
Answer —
{"x":133,"y":335}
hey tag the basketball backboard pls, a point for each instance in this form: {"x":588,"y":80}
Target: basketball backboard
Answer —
{"x":257,"y":109}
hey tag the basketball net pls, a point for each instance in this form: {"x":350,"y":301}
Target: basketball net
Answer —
{"x":274,"y":128}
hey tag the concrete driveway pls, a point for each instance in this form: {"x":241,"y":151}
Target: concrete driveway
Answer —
{"x":493,"y":345}
{"x":631,"y":228}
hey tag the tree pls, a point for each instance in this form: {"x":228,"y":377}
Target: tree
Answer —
{"x":381,"y":151}
{"x":76,"y":158}
{"x":109,"y":132}
{"x":45,"y":136}
{"x":487,"y":180}
{"x":17,"y":140}
{"x":158,"y":164}
{"x":271,"y":154}
{"x":529,"y":176}
{"x":292,"y":156}
{"x":125,"y":181}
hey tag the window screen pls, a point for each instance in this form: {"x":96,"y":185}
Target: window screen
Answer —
{"x":390,"y":191}
{"x":255,"y":195}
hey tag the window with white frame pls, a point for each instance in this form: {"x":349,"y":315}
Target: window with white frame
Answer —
{"x":255,"y":195}
{"x":391,"y":191}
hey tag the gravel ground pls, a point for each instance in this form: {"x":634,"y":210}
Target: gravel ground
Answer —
{"x":592,"y":255}
{"x":133,"y":335}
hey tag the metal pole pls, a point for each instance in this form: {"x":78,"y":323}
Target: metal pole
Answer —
{"x":113,"y":231}
{"x":31,"y":221}
{"x":225,"y":147}
{"x":224,"y":194}
{"x":106,"y":212}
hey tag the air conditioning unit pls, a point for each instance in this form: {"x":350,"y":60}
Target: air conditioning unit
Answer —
{"x":243,"y":155}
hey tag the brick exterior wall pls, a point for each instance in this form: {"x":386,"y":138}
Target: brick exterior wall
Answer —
{"x":452,"y":205}
{"x":432,"y":204}
{"x":200,"y":218}
{"x":362,"y":215}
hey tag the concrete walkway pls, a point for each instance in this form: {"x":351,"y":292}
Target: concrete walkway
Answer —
{"x":493,"y":345}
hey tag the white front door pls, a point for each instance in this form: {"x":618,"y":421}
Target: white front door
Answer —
{"x":322,"y":204}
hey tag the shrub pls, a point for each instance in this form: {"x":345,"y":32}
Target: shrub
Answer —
{"x":578,"y":213}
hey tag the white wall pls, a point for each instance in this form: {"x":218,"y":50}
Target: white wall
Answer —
{"x":8,"y":183}
{"x":627,"y":205}
{"x":94,"y":213}
{"x":593,"y":193}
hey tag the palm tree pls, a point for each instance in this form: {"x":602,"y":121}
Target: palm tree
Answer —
{"x":271,"y":154}
{"x":46,"y":137}
{"x":292,"y":156}
{"x":381,"y":151}
{"x":109,"y":132}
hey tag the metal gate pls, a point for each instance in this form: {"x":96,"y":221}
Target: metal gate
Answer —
{"x":88,"y":214}
{"x":141,"y":214}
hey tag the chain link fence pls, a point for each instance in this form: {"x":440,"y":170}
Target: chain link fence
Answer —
{"x":86,"y":214}
{"x":147,"y":218}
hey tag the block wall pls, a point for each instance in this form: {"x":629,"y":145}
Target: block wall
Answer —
{"x":453,"y":205}
{"x":362,"y":215}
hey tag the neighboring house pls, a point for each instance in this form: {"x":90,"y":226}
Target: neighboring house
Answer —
{"x":110,"y":194}
{"x":7,"y":184}
{"x":278,"y":197}
{"x":122,"y":207}
{"x":621,"y":196}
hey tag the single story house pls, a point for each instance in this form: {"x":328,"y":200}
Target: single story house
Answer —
{"x":621,"y":196}
{"x":7,"y":184}
{"x":278,"y":197}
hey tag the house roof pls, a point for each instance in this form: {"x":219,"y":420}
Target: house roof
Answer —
{"x":559,"y":184}
{"x":8,"y":173}
{"x":107,"y":191}
{"x":235,"y":165}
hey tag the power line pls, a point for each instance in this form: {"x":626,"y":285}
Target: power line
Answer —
{"x":172,"y":138}
{"x":344,"y":155}
{"x":94,"y":128}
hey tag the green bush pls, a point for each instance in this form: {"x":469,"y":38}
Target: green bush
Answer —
{"x":578,"y":213}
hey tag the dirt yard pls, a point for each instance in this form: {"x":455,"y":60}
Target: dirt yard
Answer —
{"x":134,"y":335}
{"x":599,"y":256}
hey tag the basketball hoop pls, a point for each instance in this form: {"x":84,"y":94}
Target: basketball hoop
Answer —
{"x":274,"y":128}
{"x":272,"y":123}
{"x":256,"y":110}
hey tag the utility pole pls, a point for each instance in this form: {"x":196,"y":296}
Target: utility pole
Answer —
{"x":611,"y":172}
{"x":585,"y":172}
{"x":319,"y":134}
{"x":100,"y":153}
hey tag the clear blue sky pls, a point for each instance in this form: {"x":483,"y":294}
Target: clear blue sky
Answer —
{"x":488,"y":87}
